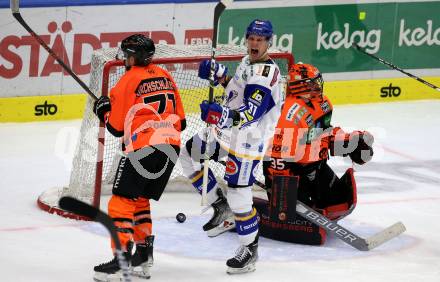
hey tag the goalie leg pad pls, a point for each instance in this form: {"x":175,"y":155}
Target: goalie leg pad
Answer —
{"x":283,"y":199}
{"x":347,"y":199}
{"x":299,"y":231}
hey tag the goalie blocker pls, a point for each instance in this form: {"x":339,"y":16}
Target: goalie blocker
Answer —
{"x":278,"y":219}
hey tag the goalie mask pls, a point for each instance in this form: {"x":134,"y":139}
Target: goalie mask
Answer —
{"x":138,"y":46}
{"x":305,"y":81}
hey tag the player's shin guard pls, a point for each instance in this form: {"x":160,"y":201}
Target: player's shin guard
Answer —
{"x":142,"y":222}
{"x":247,"y":254}
{"x":119,"y":209}
{"x":197,"y":182}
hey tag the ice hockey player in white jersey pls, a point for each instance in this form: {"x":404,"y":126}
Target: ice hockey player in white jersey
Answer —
{"x":243,"y":126}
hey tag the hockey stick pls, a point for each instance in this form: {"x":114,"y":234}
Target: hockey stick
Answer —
{"x":362,"y":244}
{"x":75,"y":206}
{"x":357,"y":47}
{"x":352,"y":239}
{"x":15,"y":8}
{"x":219,"y":8}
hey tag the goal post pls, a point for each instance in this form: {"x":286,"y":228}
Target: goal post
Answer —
{"x":98,"y":152}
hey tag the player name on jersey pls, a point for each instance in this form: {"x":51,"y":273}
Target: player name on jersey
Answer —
{"x":154,"y":84}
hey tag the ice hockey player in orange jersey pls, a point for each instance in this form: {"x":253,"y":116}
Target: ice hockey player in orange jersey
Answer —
{"x":146,"y":111}
{"x":303,"y":140}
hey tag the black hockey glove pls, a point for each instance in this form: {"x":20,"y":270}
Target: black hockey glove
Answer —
{"x":101,"y":107}
{"x":364,"y":151}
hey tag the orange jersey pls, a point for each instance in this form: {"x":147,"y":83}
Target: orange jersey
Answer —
{"x":302,"y":131}
{"x":146,"y":108}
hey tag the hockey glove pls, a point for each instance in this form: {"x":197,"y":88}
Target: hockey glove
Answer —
{"x":215,"y":114}
{"x":220,"y":71}
{"x":101,"y":107}
{"x":356,"y":145}
{"x":364,"y":151}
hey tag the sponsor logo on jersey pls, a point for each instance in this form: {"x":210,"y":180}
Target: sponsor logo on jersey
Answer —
{"x":246,"y":145}
{"x":244,"y":76}
{"x":309,"y":120}
{"x":327,"y":119}
{"x":231,"y":167}
{"x":45,"y":109}
{"x":266,"y":71}
{"x":291,"y":112}
{"x":280,"y":148}
{"x":390,"y":91}
{"x":248,"y":228}
{"x":245,"y":172}
{"x":214,"y":117}
{"x":275,"y":77}
{"x":119,"y":172}
{"x":300,"y":114}
{"x":257,"y":97}
{"x":325,"y":107}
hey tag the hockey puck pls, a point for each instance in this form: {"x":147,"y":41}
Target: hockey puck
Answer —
{"x":180,"y":217}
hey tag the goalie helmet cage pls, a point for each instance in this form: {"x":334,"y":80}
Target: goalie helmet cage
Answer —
{"x":98,"y":153}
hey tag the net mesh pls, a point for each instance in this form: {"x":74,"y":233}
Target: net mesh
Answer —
{"x":182,"y":62}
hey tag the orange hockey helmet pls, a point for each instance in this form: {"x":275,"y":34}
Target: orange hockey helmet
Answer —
{"x":305,"y":81}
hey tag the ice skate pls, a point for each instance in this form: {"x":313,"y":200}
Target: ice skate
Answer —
{"x":244,"y":260}
{"x":110,"y":271}
{"x":142,"y":259}
{"x":222,"y":220}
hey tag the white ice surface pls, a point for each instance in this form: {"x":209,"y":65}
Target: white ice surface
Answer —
{"x":400,"y":184}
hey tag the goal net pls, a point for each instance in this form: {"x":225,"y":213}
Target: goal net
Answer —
{"x":98,"y":152}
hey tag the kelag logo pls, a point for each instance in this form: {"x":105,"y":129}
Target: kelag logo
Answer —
{"x":46,"y":109}
{"x":390,"y":91}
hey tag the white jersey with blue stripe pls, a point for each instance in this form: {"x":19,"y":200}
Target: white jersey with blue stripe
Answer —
{"x":255,"y":92}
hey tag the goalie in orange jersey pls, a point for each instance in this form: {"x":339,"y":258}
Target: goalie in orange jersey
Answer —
{"x":146,"y":112}
{"x":301,"y":145}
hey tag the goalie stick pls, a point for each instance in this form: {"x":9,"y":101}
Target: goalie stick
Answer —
{"x":352,"y":239}
{"x":357,"y":47}
{"x":73,"y":205}
{"x":15,"y":8}
{"x":218,"y":10}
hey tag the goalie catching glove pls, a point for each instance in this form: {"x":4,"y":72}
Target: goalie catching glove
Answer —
{"x":357,"y":145}
{"x":101,"y":107}
{"x":220,"y":71}
{"x":223,"y":117}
